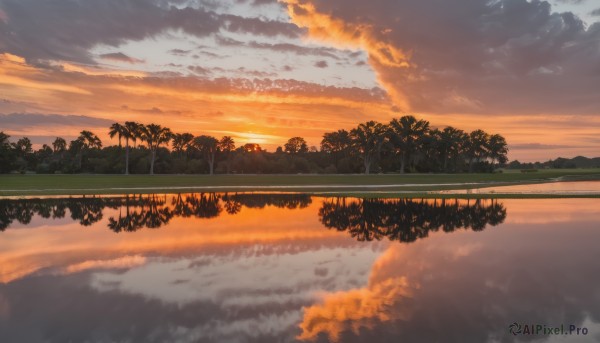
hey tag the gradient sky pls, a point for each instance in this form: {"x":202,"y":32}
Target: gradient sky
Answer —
{"x":265,"y":70}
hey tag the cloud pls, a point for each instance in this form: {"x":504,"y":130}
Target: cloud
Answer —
{"x":501,"y":57}
{"x":21,"y":121}
{"x":574,"y":2}
{"x":179,"y":52}
{"x":67,"y":30}
{"x":200,"y":70}
{"x":281,"y":47}
{"x":539,"y":146}
{"x":321,"y":64}
{"x":120,"y":57}
{"x":595,"y":13}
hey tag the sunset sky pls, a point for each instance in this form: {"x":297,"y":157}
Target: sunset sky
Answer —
{"x":265,"y":70}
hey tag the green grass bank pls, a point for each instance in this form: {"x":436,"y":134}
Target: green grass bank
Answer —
{"x":85,"y":184}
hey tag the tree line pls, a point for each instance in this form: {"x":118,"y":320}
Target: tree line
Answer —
{"x":406,"y":144}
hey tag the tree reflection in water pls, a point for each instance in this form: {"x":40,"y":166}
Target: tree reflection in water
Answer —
{"x":142,"y":211}
{"x":407,"y":220}
{"x":404,"y":220}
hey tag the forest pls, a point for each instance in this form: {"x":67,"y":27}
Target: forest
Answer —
{"x":404,"y":145}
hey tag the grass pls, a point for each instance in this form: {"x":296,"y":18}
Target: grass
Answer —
{"x":24,"y":185}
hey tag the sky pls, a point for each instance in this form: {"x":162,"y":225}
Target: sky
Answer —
{"x":263,"y":71}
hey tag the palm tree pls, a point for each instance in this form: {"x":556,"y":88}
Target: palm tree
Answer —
{"x":498,"y":149}
{"x":368,"y":139}
{"x":59,"y":145}
{"x":336,"y":144}
{"x":407,"y":135}
{"x":477,"y":147}
{"x":208,"y":147}
{"x":450,"y":144}
{"x":155,"y":135}
{"x":132,"y":131}
{"x":116,"y":129}
{"x":182,"y":142}
{"x":135,"y":131}
{"x":227,"y":145}
{"x":87,"y":140}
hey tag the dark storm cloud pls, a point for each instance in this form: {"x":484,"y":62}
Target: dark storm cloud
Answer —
{"x":595,"y":13}
{"x":68,"y":29}
{"x":505,"y":56}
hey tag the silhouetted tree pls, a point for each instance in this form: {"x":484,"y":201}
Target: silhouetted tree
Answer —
{"x":368,"y":139}
{"x":182,"y":142}
{"x":407,"y":135}
{"x":227,"y":146}
{"x":476,"y":147}
{"x":86,"y":141}
{"x":296,"y":145}
{"x":337,"y":144}
{"x":498,"y":149}
{"x":155,"y":135}
{"x":7,"y":156}
{"x":208,"y":146}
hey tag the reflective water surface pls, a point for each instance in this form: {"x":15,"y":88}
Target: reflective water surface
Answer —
{"x":291,"y":268}
{"x":572,"y":187}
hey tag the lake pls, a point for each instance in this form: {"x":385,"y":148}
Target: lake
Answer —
{"x":296,"y":268}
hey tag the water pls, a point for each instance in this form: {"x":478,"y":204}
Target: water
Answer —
{"x":566,"y":188}
{"x":287,"y":268}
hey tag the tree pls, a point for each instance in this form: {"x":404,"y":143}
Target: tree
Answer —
{"x":208,"y":146}
{"x":182,"y":142}
{"x":6,"y":153}
{"x":118,"y":130}
{"x":59,"y":145}
{"x":23,"y":147}
{"x":477,"y":147}
{"x":450,"y":144}
{"x":296,"y":145}
{"x":132,"y":131}
{"x":227,"y":145}
{"x":498,"y":149}
{"x":155,"y":135}
{"x":135,"y":131}
{"x":368,"y":139}
{"x":87,"y":140}
{"x":336,"y":144}
{"x":251,"y":147}
{"x":406,"y":134}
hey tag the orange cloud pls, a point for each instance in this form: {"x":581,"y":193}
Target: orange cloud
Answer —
{"x":343,"y":34}
{"x":355,"y":309}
